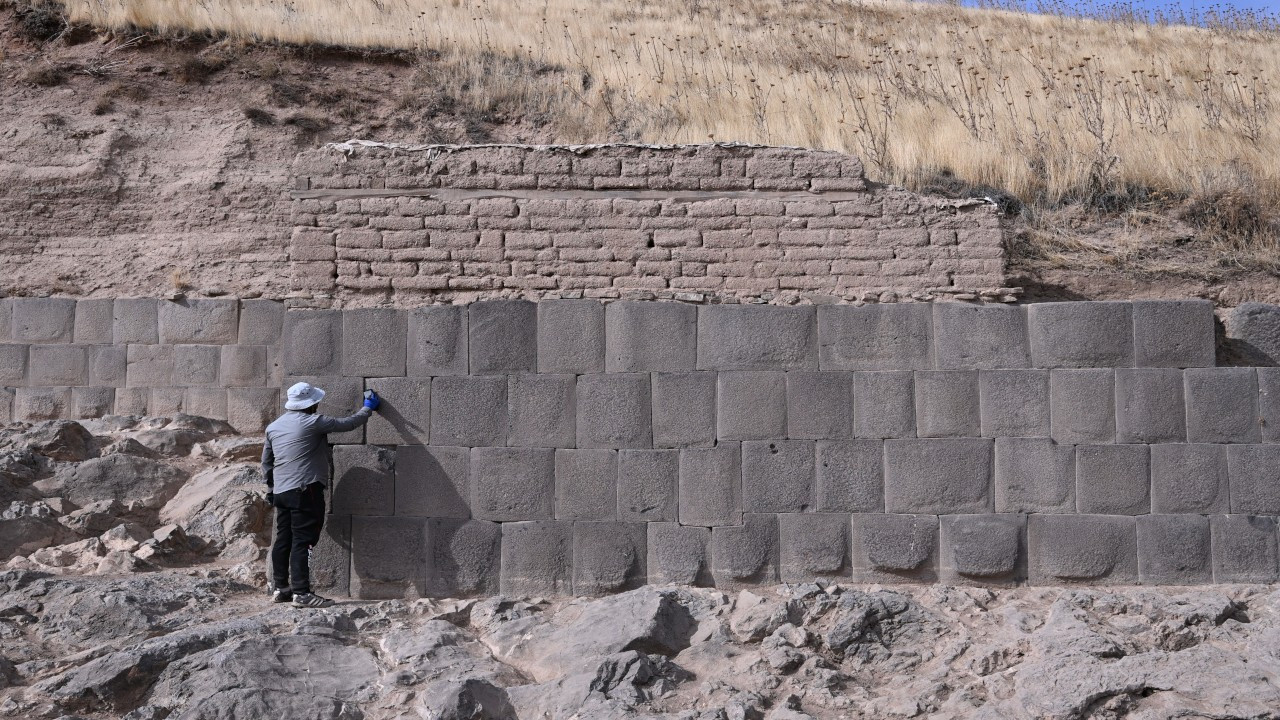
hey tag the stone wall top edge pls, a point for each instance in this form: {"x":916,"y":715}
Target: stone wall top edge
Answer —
{"x":357,"y":145}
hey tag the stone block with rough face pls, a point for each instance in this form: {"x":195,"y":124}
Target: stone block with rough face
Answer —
{"x":196,"y":365}
{"x":586,"y":484}
{"x":433,"y":481}
{"x":469,"y":411}
{"x":312,"y":342}
{"x":1189,"y":479}
{"x":1113,"y":479}
{"x":133,"y":401}
{"x":1251,"y":471}
{"x":988,"y":549}
{"x":819,"y":405}
{"x":894,"y":548}
{"x":571,"y":336}
{"x":363,"y":480}
{"x":94,"y":323}
{"x":542,"y":410}
{"x":938,"y":476}
{"x":466,"y":557}
{"x":1034,"y":475}
{"x":373,"y":342}
{"x":679,"y":554}
{"x":1082,"y":549}
{"x":243,"y":366}
{"x":1082,"y":404}
{"x":512,"y":484}
{"x":884,"y":404}
{"x":33,"y":404}
{"x":970,"y":337}
{"x":404,"y":416}
{"x":947,"y":404}
{"x":1015,"y":403}
{"x":389,"y":557}
{"x":648,"y":485}
{"x":650,"y":336}
{"x":149,"y":366}
{"x":849,"y":476}
{"x":1253,"y":332}
{"x":751,"y":405}
{"x":1269,"y":403}
{"x":711,"y":485}
{"x":502,"y":336}
{"x":614,"y":411}
{"x":249,"y":410}
{"x":58,"y":365}
{"x":135,"y":321}
{"x":875,"y":337}
{"x":757,"y":337}
{"x":437,"y":341}
{"x":1244,"y":549}
{"x":261,"y":322}
{"x":1081,"y":334}
{"x":1222,"y":405}
{"x":13,"y":365}
{"x":331,"y":558}
{"x":199,"y":321}
{"x":163,"y":402}
{"x":609,"y":557}
{"x":206,"y":402}
{"x":1150,"y":406}
{"x":777,"y":476}
{"x":43,"y":320}
{"x":94,"y":402}
{"x":6,"y":404}
{"x":1174,"y":550}
{"x":684,"y":409}
{"x":813,"y":546}
{"x":108,"y":365}
{"x":537,"y":558}
{"x":1173,"y":333}
{"x":747,"y":554}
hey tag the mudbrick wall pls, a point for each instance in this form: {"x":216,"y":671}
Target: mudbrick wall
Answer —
{"x":574,"y":445}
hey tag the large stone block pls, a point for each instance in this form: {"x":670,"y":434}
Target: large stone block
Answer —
{"x":466,"y":557}
{"x":1081,"y":334}
{"x":136,"y":321}
{"x":1015,"y":403}
{"x":936,"y":477}
{"x":746,"y":554}
{"x":389,"y":557}
{"x":1269,"y":403}
{"x":751,"y":405}
{"x":608,"y":557}
{"x":469,"y":411}
{"x":94,"y":323}
{"x":502,"y":336}
{"x":437,"y":342}
{"x":648,"y":485}
{"x":199,"y":321}
{"x":1189,"y":479}
{"x":404,"y":417}
{"x":586,"y":484}
{"x":985,"y":549}
{"x":614,"y":411}
{"x":875,"y":337}
{"x":513,"y":483}
{"x":331,"y":558}
{"x":777,"y":476}
{"x":684,"y":409}
{"x":196,"y":365}
{"x":1089,"y":549}
{"x":149,"y":366}
{"x":1113,"y":479}
{"x":33,"y":404}
{"x":711,"y":485}
{"x":1173,"y":333}
{"x":884,"y":404}
{"x":312,"y":342}
{"x":166,"y":402}
{"x":1082,"y":404}
{"x":6,"y":402}
{"x":537,"y":558}
{"x":6,"y":319}
{"x":850,"y":476}
{"x":1244,"y":549}
{"x":1222,"y":405}
{"x":43,"y":320}
{"x":243,"y":366}
{"x":343,"y":396}
{"x":133,"y":401}
{"x":1253,"y":331}
{"x":650,"y":336}
{"x":373,"y":342}
{"x":1035,"y":475}
{"x":571,"y":336}
{"x":94,"y":402}
{"x":108,"y":365}
{"x":1150,"y":406}
{"x":433,"y":481}
{"x":1254,"y":476}
{"x":206,"y":402}
{"x":948,"y":404}
{"x":894,"y":548}
{"x":757,"y":337}
{"x":969,"y":337}
{"x":1174,"y":550}
{"x":13,"y":365}
{"x":542,"y":410}
{"x":679,"y":554}
{"x":58,"y":365}
{"x":819,"y":405}
{"x":363,"y":480}
{"x":813,"y":546}
{"x":261,"y":322}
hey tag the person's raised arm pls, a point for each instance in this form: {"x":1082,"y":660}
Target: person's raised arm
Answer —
{"x":328,"y":424}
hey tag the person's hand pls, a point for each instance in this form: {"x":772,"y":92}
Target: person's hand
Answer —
{"x":371,"y":400}
{"x":271,"y":499}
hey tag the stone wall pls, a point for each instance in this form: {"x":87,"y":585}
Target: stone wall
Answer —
{"x":579,"y":446}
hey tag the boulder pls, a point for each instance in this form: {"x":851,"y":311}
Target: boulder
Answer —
{"x":62,"y":440}
{"x":94,"y":518}
{"x":25,"y":527}
{"x":124,"y":537}
{"x":220,"y":505}
{"x":127,"y":446}
{"x":129,"y":480}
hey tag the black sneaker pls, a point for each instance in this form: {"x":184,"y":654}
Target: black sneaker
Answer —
{"x":310,"y":600}
{"x":281,"y":595}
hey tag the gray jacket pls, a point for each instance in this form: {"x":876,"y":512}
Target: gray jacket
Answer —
{"x":295,"y":453}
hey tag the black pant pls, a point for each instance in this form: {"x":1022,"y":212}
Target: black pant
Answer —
{"x":299,"y":518}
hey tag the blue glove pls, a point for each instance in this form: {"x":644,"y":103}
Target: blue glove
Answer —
{"x":371,"y":400}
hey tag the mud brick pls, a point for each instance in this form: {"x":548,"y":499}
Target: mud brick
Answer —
{"x":948,"y":403}
{"x":1149,"y":406}
{"x":343,"y":396}
{"x":969,"y":337}
{"x":648,"y":485}
{"x":93,"y":402}
{"x":1269,"y":403}
{"x":94,"y":322}
{"x":196,"y":365}
{"x":586,"y":484}
{"x":1081,"y":334}
{"x":614,"y":411}
{"x":751,"y":337}
{"x":206,"y":402}
{"x":1222,"y":405}
{"x":363,"y":480}
{"x":608,"y":557}
{"x":537,"y":558}
{"x":1082,"y":406}
{"x":166,"y":402}
{"x":465,"y":557}
{"x":331,"y":558}
{"x":1113,"y":479}
{"x":202,"y":321}
{"x":136,"y":320}
{"x":684,"y":409}
{"x":894,"y":548}
{"x":13,"y":365}
{"x":875,"y":337}
{"x":571,"y":336}
{"x":133,"y":401}
{"x":1035,"y":475}
{"x":819,"y":405}
{"x":510,"y":484}
{"x":41,"y":403}
{"x":938,"y":476}
{"x":1015,"y":403}
{"x":503,"y":336}
{"x":149,"y":365}
{"x":249,"y":410}
{"x":469,"y":411}
{"x":542,"y":410}
{"x":777,"y":476}
{"x":747,"y":554}
{"x":1244,"y":549}
{"x":1189,"y":479}
{"x":751,"y":405}
{"x":1174,"y":550}
{"x":404,"y":416}
{"x":1251,"y":470}
{"x":43,"y":320}
{"x":711,"y":485}
{"x":389,"y":557}
{"x":679,"y":554}
{"x":1173,"y":333}
{"x":312,"y":342}
{"x":243,"y":366}
{"x":433,"y":481}
{"x":650,"y":336}
{"x":373,"y":342}
{"x":1089,"y":549}
{"x":58,"y":365}
{"x":850,"y":476}
{"x":983,"y":549}
{"x":813,"y":546}
{"x":884,"y":404}
{"x":261,"y":322}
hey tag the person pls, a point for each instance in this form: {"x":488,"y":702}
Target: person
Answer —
{"x":295,"y":465}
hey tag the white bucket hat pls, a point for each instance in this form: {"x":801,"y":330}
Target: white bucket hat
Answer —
{"x":302,"y":396}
